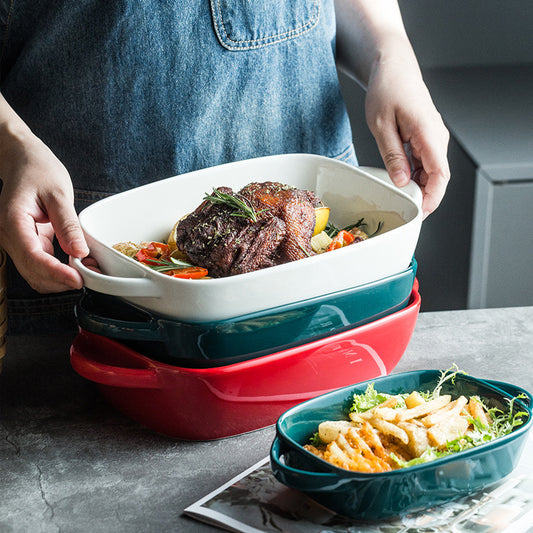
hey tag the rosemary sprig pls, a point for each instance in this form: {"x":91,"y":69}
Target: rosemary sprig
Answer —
{"x":332,"y":230}
{"x":304,"y":250}
{"x":358,"y":224}
{"x":241,"y":206}
{"x":378,"y":229}
{"x":163,"y":265}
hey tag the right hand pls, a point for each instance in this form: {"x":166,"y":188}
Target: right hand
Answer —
{"x":373,"y":47}
{"x":36,"y":202}
{"x":409,"y":131}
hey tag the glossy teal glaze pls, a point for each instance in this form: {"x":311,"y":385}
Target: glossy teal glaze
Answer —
{"x":383,"y":495}
{"x":245,"y":337}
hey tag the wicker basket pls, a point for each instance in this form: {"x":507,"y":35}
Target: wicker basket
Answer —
{"x":3,"y":305}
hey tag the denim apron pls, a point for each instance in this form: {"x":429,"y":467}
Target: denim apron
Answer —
{"x":126,"y":92}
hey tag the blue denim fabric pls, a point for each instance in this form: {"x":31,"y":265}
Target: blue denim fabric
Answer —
{"x":127,"y":92}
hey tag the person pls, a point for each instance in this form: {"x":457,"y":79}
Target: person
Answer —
{"x":98,"y":97}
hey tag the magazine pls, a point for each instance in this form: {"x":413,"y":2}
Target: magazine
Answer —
{"x":255,"y":502}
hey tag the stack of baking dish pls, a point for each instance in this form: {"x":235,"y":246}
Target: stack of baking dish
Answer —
{"x":205,"y":359}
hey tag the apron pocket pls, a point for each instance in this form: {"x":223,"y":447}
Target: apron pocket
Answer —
{"x":247,"y":25}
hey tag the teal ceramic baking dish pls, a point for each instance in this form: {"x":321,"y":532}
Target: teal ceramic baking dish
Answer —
{"x":246,"y":337}
{"x":383,"y":495}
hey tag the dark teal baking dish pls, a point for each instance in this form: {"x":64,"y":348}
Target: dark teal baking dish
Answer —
{"x":385,"y":495}
{"x":225,"y":342}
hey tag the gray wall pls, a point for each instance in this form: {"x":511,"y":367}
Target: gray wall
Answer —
{"x":450,"y":33}
{"x":447,"y":33}
{"x":469,"y":32}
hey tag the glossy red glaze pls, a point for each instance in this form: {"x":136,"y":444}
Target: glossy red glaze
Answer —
{"x":211,"y":403}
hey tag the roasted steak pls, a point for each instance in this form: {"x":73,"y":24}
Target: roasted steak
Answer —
{"x":228,"y":242}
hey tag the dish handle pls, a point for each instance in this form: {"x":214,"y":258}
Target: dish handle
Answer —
{"x":114,"y":376}
{"x":116,"y":286}
{"x":411,"y":189}
{"x":513,"y":390}
{"x":299,"y":479}
{"x":116,"y":328}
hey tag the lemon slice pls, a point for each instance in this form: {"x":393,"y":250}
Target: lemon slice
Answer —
{"x":321,"y":219}
{"x":172,"y":237}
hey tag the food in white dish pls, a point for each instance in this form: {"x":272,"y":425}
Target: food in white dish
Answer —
{"x":229,"y":233}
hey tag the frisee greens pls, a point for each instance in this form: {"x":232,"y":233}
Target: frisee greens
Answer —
{"x":372,"y":398}
{"x":369,"y":399}
{"x":445,"y":375}
{"x":315,"y":439}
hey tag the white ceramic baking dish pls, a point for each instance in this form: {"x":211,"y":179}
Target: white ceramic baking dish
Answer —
{"x":147,"y":213}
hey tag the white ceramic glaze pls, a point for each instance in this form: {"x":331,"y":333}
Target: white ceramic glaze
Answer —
{"x":148,"y":213}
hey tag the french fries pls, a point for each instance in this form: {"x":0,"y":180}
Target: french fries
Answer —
{"x":372,"y":440}
{"x":328,"y":431}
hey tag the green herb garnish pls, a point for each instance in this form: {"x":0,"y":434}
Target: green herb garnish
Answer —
{"x":378,"y":229}
{"x":164,"y":265}
{"x":369,"y":399}
{"x":332,"y":230}
{"x":445,"y":375}
{"x":304,"y":251}
{"x":242,"y":207}
{"x":315,"y":440}
{"x":357,"y":224}
{"x":429,"y":455}
{"x":502,"y":423}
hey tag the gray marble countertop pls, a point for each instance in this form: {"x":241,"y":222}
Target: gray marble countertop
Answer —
{"x":69,"y":462}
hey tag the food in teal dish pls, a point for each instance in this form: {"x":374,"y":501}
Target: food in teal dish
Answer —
{"x":385,"y":432}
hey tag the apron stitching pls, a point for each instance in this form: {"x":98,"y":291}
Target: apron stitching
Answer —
{"x":279,"y":37}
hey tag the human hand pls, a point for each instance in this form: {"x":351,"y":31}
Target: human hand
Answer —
{"x":409,"y":131}
{"x":36,"y":202}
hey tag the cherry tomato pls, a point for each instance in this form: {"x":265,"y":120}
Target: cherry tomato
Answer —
{"x":343,"y":238}
{"x":155,"y":250}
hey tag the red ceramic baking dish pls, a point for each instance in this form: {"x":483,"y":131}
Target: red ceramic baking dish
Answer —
{"x":211,"y":403}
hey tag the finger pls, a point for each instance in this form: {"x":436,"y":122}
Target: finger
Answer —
{"x":67,"y":229}
{"x":44,"y":272}
{"x":394,"y":157}
{"x":92,"y":264}
{"x":433,"y":192}
{"x":54,"y":276}
{"x":435,"y":173}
